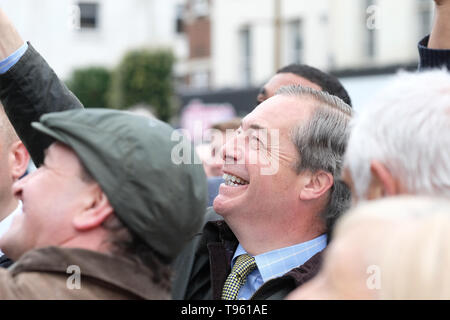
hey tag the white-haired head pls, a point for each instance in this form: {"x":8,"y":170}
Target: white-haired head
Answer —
{"x":407,"y":129}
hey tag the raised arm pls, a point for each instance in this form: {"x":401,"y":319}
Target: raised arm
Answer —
{"x":29,"y":89}
{"x":434,"y":50}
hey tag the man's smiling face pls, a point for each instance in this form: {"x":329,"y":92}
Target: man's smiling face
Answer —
{"x":261,"y":180}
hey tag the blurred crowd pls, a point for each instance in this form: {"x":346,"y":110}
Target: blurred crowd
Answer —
{"x":300,"y":199}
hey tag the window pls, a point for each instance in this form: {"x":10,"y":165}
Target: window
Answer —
{"x":371,"y":23}
{"x":370,"y":43}
{"x":246,"y":54}
{"x":88,"y":15}
{"x":179,"y":14}
{"x":294,"y":42}
{"x":200,"y":8}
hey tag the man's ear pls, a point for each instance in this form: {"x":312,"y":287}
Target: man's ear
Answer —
{"x":97,"y":210}
{"x":19,"y":159}
{"x":317,"y":184}
{"x":382,"y":182}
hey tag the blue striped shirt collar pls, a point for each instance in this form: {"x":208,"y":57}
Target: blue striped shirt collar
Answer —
{"x":276,"y":263}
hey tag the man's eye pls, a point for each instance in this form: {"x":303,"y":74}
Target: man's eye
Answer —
{"x":255,"y":142}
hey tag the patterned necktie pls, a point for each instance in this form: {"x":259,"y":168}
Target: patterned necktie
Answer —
{"x":236,"y":279}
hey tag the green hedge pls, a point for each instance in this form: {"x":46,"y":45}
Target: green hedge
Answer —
{"x":91,"y":85}
{"x":144,"y":77}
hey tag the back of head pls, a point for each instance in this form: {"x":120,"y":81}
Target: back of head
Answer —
{"x":327,"y":82}
{"x":407,"y":129}
{"x":407,"y":240}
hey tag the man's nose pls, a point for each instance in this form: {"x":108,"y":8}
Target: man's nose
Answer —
{"x":232,"y":151}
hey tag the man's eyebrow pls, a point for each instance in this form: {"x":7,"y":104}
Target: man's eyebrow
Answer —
{"x":253,"y":126}
{"x":256,"y":126}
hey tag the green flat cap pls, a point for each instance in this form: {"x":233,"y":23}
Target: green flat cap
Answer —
{"x":161,"y":202}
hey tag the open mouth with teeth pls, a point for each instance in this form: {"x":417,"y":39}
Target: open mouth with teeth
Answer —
{"x":234,"y":181}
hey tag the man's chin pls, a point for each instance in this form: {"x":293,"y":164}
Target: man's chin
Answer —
{"x":3,"y":243}
{"x":224,"y":206}
{"x":230,"y":199}
{"x":218,"y":206}
{"x":9,"y":250}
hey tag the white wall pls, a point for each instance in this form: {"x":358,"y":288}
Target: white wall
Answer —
{"x":228,"y":17}
{"x":334,"y":35}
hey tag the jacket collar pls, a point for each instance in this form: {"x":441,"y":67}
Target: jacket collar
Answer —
{"x":221,"y":243}
{"x":117,"y":271}
{"x":308,"y":270}
{"x":279,"y":288}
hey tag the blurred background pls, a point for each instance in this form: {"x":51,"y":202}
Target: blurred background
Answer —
{"x":190,"y":60}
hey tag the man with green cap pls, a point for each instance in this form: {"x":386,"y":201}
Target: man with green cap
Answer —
{"x":105,"y":214}
{"x":107,"y":210}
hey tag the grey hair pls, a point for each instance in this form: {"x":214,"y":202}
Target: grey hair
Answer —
{"x":321,"y":142}
{"x":407,"y":129}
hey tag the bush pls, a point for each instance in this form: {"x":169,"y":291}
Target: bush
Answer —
{"x":91,"y":85}
{"x":144,"y":77}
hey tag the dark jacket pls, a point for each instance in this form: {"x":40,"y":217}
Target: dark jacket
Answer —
{"x":432,"y":58}
{"x":28,"y":90}
{"x":203,"y":266}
